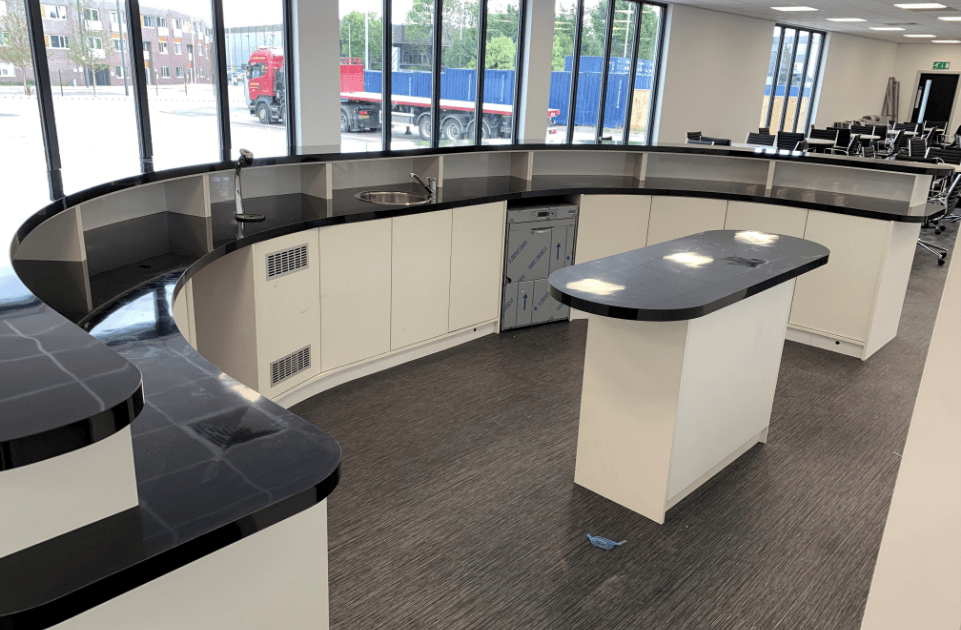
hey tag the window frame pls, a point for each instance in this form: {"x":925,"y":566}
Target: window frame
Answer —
{"x":787,"y":92}
{"x":164,"y":72}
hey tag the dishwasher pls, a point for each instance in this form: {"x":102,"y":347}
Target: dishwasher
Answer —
{"x":539,"y":241}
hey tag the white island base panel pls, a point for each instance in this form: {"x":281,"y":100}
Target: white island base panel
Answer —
{"x":275,"y":578}
{"x":667,"y":405}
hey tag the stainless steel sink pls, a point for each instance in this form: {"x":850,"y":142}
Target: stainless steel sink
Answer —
{"x":393,"y":197}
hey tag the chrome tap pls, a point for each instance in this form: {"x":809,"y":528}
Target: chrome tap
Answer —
{"x":430,"y":186}
{"x":246,"y":159}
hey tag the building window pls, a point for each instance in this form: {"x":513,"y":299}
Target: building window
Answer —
{"x":162,"y":22}
{"x":201,"y":73}
{"x":165,"y":72}
{"x":54,"y":11}
{"x":146,"y":47}
{"x":95,"y":43}
{"x":177,"y":48}
{"x":119,"y":72}
{"x":176,"y":23}
{"x":162,"y":48}
{"x":91,"y":14}
{"x":792,"y":78}
{"x":190,"y":49}
{"x":57,"y":41}
{"x":149,"y":21}
{"x":113,"y":17}
{"x":180,"y":72}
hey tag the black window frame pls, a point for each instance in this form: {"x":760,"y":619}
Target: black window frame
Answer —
{"x":798,"y":30}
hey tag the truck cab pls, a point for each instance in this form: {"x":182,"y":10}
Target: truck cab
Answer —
{"x":265,"y":88}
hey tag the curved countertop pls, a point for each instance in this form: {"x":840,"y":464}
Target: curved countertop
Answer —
{"x":216,"y":461}
{"x":686,"y":278}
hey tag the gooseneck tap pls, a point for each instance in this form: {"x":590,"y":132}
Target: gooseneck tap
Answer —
{"x":246,"y":159}
{"x":430,"y":186}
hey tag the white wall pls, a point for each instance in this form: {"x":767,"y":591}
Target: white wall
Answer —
{"x":854,"y":78}
{"x":714,"y":74}
{"x":915,"y":58}
{"x":536,"y":87}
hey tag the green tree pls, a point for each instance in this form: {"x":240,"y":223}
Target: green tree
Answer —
{"x":15,"y":40}
{"x":650,"y":25}
{"x":90,"y":48}
{"x":563,"y":36}
{"x":501,"y":53}
{"x":352,"y":34}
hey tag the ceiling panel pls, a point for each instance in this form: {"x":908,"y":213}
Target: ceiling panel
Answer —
{"x":876,"y":12}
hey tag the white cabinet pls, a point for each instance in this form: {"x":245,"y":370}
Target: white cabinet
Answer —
{"x":287,"y":292}
{"x":355,"y":285}
{"x":420,"y":283}
{"x":476,"y":261}
{"x":763,"y":217}
{"x":611,"y":224}
{"x":674,"y":217}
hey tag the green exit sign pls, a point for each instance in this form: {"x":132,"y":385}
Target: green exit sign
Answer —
{"x":942,"y":65}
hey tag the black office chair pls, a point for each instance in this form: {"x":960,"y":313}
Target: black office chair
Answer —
{"x":948,"y":156}
{"x":762,"y":139}
{"x":899,"y":144}
{"x":694,"y":135}
{"x":868,"y":151}
{"x":801,"y":146}
{"x":917,"y":147}
{"x":824,"y":134}
{"x":788,"y":141}
{"x":851,"y":148}
{"x":844,"y":136}
{"x":864,"y":130}
{"x":764,"y":131}
{"x":950,"y":202}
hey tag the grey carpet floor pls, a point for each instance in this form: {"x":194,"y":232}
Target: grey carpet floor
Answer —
{"x":457,"y":507}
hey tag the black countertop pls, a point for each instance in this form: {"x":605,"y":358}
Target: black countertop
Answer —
{"x":685,"y":278}
{"x":215,"y":462}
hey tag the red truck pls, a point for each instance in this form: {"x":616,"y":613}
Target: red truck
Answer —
{"x":361,"y":111}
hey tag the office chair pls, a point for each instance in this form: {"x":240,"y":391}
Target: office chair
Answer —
{"x":864,"y":130}
{"x":694,"y":135}
{"x":698,"y":141}
{"x":720,"y":142}
{"x":764,"y":131}
{"x":868,"y":151}
{"x":917,"y":147}
{"x":850,"y":149}
{"x":766,"y":140}
{"x":824,"y":134}
{"x":788,"y":141}
{"x":950,"y":201}
{"x":948,"y":156}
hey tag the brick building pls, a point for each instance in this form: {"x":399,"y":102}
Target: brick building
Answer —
{"x":177,"y":46}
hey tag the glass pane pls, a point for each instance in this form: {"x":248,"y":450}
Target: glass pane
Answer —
{"x":803,"y":116}
{"x":559,"y":99}
{"x":361,"y":67}
{"x":593,"y":32}
{"x":458,"y":81}
{"x":93,"y":99}
{"x":503,"y":28}
{"x":412,"y":30}
{"x":652,"y":19}
{"x":780,"y":92}
{"x":180,"y":85}
{"x":768,"y":87}
{"x":19,"y":127}
{"x":795,"y":80}
{"x":257,"y":105}
{"x":619,"y":71}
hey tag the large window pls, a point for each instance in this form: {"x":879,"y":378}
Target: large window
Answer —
{"x":605,"y":59}
{"x":791,"y":79}
{"x":469,"y":86}
{"x":258,"y":104}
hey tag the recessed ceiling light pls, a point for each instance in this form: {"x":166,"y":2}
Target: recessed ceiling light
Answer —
{"x":953,"y":18}
{"x":912,"y":35}
{"x":946,"y":41}
{"x":794,"y":8}
{"x":921,"y":6}
{"x":886,"y":28}
{"x":846,"y":20}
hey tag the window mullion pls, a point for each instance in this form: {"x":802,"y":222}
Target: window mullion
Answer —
{"x":575,"y":71}
{"x":48,"y":123}
{"x":605,"y":70}
{"x":437,"y":60}
{"x":481,"y":70}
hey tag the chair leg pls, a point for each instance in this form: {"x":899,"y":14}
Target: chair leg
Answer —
{"x":940,"y":252}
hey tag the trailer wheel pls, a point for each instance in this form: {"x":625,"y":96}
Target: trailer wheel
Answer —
{"x":451,"y":130}
{"x":485,"y":129}
{"x":344,"y":122}
{"x":423,"y":126}
{"x":263,"y":113}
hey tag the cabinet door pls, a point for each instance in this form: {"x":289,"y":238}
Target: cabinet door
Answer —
{"x":354,"y":292}
{"x":476,"y":261}
{"x":763,"y":217}
{"x":611,"y":224}
{"x":674,"y":217}
{"x":420,"y":282}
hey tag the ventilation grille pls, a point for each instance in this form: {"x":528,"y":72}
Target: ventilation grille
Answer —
{"x":282,"y":369}
{"x":287,"y":261}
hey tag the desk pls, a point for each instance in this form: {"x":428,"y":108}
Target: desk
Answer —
{"x":684,"y":344}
